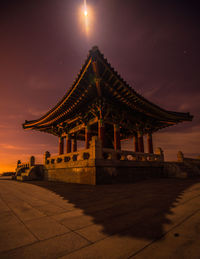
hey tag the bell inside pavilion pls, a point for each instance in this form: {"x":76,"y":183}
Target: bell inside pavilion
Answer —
{"x":102,"y":110}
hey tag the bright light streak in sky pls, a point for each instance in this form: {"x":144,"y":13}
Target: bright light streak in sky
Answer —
{"x":85,"y":8}
{"x":86,"y":18}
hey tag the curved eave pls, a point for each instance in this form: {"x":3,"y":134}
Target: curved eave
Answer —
{"x":128,"y":94}
{"x":50,"y":114}
{"x":177,"y":116}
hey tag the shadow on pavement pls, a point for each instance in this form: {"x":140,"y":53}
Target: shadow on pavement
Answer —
{"x":138,"y":209}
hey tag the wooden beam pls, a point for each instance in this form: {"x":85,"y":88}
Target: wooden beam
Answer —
{"x":81,"y":126}
{"x":98,"y":79}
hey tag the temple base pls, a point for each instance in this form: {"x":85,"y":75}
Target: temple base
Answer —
{"x":97,"y":165}
{"x":105,"y":173}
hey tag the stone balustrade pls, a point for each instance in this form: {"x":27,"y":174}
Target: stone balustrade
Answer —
{"x":132,"y":156}
{"x":91,"y":165}
{"x":28,"y":170}
{"x":68,"y":157}
{"x":26,"y":165}
{"x":182,"y":158}
{"x":95,"y":151}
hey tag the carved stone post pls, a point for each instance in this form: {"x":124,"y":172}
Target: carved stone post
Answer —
{"x":101,"y":132}
{"x":46,"y":156}
{"x":18,"y":163}
{"x":117,"y":143}
{"x":140,"y":142}
{"x":149,"y":143}
{"x":32,"y":161}
{"x":68,"y":143}
{"x":160,"y":152}
{"x":61,"y":146}
{"x":74,"y":144}
{"x":135,"y":142}
{"x":180,"y":156}
{"x":88,"y":136}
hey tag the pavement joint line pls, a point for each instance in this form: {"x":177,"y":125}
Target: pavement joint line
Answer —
{"x":20,"y":220}
{"x":71,"y":252}
{"x":83,"y":237}
{"x":188,"y":200}
{"x":36,"y":242}
{"x":91,"y":243}
{"x":29,"y":220}
{"x":37,"y":207}
{"x":74,"y":231}
{"x":5,"y":202}
{"x":37,"y":198}
{"x":100,"y":223}
{"x":164,"y":234}
{"x":19,"y":247}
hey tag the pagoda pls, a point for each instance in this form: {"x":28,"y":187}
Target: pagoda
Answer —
{"x":102,"y":110}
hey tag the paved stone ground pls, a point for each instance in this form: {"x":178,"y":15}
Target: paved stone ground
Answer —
{"x":157,"y":218}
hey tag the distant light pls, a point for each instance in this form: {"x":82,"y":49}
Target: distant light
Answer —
{"x":86,"y":18}
{"x":85,"y":13}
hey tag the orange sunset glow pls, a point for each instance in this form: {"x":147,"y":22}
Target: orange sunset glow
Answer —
{"x":44,"y":45}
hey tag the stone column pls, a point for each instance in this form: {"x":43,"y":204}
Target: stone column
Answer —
{"x":68,"y":143}
{"x":88,"y":136}
{"x":117,"y":143}
{"x":101,"y":132}
{"x":135,"y":142}
{"x":74,"y":144}
{"x":140,"y":142}
{"x":61,"y":146}
{"x":149,"y":143}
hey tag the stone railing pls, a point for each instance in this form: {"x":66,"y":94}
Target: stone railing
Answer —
{"x":97,"y":152}
{"x":29,"y":170}
{"x":80,"y":155}
{"x":182,"y":158}
{"x":26,"y":165}
{"x":111,"y":154}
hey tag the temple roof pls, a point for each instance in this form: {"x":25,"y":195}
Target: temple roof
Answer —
{"x":97,"y":80}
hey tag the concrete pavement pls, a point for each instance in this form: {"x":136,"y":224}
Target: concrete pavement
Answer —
{"x":157,"y":218}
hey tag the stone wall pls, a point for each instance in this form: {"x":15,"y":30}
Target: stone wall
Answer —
{"x":128,"y":172}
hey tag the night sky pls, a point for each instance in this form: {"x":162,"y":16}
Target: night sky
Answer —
{"x":154,"y":45}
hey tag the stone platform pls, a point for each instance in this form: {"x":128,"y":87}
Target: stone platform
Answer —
{"x":156,"y":218}
{"x":98,"y":165}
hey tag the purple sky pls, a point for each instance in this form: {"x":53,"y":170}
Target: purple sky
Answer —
{"x":154,"y":45}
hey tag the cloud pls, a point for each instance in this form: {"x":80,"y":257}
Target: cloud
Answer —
{"x":13,"y":147}
{"x":37,"y":83}
{"x":36,"y":112}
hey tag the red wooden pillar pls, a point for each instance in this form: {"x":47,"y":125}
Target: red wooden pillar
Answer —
{"x":140,"y":142}
{"x":74,"y":144}
{"x":117,"y":143}
{"x":149,"y":143}
{"x":135,"y":142}
{"x":68,"y":143}
{"x":61,"y":146}
{"x":88,"y":136}
{"x":101,"y":132}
